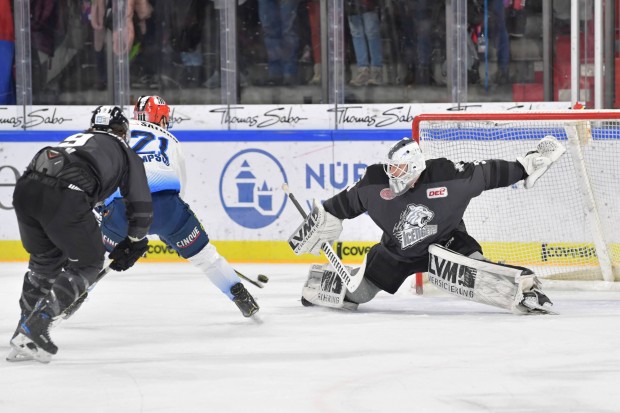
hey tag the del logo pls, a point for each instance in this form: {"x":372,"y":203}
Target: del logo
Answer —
{"x":441,"y":192}
{"x":248,"y":188}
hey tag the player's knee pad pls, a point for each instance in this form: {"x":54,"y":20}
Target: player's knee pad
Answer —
{"x":190,"y":239}
{"x":35,"y":287}
{"x":323,"y":287}
{"x":71,"y":284}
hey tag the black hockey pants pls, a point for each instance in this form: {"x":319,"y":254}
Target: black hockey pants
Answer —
{"x":59,"y":231}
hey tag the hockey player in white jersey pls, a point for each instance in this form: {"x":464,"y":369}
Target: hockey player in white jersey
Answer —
{"x":419,"y":204}
{"x":173,"y":220}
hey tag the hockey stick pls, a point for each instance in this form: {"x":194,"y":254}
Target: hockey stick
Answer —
{"x":259,"y":282}
{"x":68,"y":312}
{"x":351,"y":281}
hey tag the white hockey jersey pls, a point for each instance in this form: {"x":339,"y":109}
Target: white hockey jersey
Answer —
{"x":161,"y":154}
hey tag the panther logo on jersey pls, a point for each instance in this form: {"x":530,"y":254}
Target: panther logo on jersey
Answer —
{"x":412,"y":226}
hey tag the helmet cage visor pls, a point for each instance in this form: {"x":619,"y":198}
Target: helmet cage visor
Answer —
{"x":403,"y":166}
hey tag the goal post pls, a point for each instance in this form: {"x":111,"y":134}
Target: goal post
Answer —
{"x":566,"y":226}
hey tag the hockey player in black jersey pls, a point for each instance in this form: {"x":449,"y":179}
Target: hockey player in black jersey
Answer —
{"x":53,"y":202}
{"x":419,"y":204}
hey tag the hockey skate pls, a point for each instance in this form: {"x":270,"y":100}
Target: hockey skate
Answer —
{"x":33,"y":340}
{"x":537,"y":302}
{"x":244,"y":300}
{"x":14,"y":355}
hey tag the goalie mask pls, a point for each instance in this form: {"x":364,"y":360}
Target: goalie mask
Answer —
{"x":110,"y":119}
{"x":403,"y":165}
{"x":152,"y":109}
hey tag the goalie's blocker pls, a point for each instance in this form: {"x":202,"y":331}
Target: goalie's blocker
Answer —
{"x":319,"y":227}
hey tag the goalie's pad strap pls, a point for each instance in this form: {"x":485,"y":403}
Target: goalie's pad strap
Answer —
{"x":479,"y":281}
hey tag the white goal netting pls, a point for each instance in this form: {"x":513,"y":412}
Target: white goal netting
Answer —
{"x":566,"y":227}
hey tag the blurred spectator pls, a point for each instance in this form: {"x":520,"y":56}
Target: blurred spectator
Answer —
{"x":279,"y":22}
{"x":364,"y":24}
{"x":314,"y":16}
{"x":101,"y":20}
{"x":7,"y":54}
{"x":415,"y":23}
{"x":215,"y":80}
{"x":98,"y":12}
{"x":57,"y":35}
{"x":498,"y":34}
{"x":516,"y":18}
{"x":43,"y":19}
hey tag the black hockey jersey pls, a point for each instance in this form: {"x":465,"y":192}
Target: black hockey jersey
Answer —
{"x":98,"y":163}
{"x":429,"y":212}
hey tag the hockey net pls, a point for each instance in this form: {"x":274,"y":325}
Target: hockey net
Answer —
{"x":566,"y":226}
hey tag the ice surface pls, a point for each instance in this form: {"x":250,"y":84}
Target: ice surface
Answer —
{"x":161,"y":338}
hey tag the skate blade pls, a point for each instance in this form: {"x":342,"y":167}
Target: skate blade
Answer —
{"x":23,"y":345}
{"x":15,"y":356}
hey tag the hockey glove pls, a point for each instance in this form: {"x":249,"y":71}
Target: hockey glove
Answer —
{"x":537,"y":162}
{"x":318,"y":228}
{"x":127,"y":252}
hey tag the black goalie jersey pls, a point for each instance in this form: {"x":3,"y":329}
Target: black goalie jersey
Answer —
{"x":429,"y":212}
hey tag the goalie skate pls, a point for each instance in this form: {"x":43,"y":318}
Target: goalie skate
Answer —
{"x":536,"y":301}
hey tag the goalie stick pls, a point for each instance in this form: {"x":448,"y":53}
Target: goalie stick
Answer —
{"x":351,"y":281}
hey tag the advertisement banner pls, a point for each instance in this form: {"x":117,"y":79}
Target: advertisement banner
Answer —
{"x":260,"y":117}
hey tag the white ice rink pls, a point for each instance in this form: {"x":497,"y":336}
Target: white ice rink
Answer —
{"x":161,"y":338}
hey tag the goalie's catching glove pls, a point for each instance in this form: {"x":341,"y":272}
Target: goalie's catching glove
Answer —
{"x":537,"y":162}
{"x":127,"y":252}
{"x":318,"y":228}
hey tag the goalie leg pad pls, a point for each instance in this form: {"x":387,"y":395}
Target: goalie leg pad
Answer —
{"x":485,"y":282}
{"x":324,"y":288}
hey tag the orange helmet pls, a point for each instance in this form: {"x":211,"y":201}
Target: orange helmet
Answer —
{"x":152,"y":109}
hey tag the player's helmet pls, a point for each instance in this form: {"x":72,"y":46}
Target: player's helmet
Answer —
{"x":403,"y":165}
{"x":152,"y":109}
{"x":110,"y":119}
